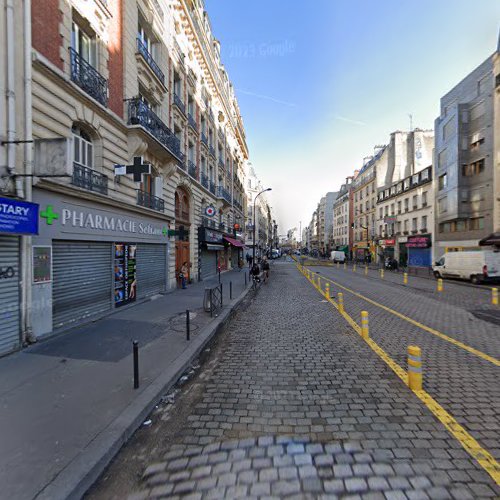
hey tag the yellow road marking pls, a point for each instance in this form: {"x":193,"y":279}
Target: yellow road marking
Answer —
{"x":437,"y":333}
{"x":475,"y":450}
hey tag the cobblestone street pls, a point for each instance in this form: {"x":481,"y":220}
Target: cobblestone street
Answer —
{"x":295,"y":403}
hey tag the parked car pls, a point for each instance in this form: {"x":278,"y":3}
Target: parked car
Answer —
{"x":476,"y":266}
{"x":337,"y":256}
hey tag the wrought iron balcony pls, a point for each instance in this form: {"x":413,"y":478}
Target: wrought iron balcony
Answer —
{"x":182,"y":162}
{"x":192,"y":122}
{"x":88,"y":78}
{"x":221,"y":163}
{"x":204,"y":180}
{"x":89,"y":179}
{"x":143,"y":50}
{"x":237,"y":204}
{"x":212,"y":187}
{"x":140,"y":114}
{"x":204,"y":138}
{"x":191,"y":169}
{"x":224,"y":194}
{"x":212,"y":151}
{"x":145,"y":199}
{"x":178,"y":102}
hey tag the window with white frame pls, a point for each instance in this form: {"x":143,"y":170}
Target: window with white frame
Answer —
{"x":84,"y":43}
{"x":83,"y":149}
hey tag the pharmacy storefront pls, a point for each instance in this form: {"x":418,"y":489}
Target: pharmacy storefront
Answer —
{"x":89,"y":259}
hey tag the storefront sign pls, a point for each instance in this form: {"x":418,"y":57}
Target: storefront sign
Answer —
{"x":67,"y":218}
{"x":418,"y":242}
{"x":18,"y":217}
{"x":125,"y":273}
{"x":390,"y":243}
{"x":390,"y":219}
{"x":209,"y":236}
{"x":42,"y":264}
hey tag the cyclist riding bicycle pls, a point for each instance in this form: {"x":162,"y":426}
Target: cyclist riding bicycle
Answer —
{"x":255,"y":272}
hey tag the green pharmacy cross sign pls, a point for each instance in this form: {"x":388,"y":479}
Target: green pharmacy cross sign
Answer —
{"x":49,"y":215}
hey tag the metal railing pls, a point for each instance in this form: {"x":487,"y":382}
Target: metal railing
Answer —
{"x":182,"y":162}
{"x":145,"y":199}
{"x":212,"y":187}
{"x":89,"y":179}
{"x":178,"y":102}
{"x":213,"y":300}
{"x":192,"y":122}
{"x":139,"y":113}
{"x":88,"y":78}
{"x":238,"y":205}
{"x":204,"y":138}
{"x":212,"y":151}
{"x":143,"y":50}
{"x":221,"y":162}
{"x":224,"y":194}
{"x":191,"y":169}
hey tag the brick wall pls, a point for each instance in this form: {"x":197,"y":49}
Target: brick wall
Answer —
{"x":46,"y":17}
{"x":115,"y":61}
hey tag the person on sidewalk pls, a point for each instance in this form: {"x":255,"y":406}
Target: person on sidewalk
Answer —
{"x":265,"y":269}
{"x":183,"y":275}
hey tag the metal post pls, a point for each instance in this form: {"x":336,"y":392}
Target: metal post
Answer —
{"x":365,"y":333}
{"x":135,"y":345}
{"x":211,"y":304}
{"x":188,"y":327}
{"x":440,"y":285}
{"x":246,"y":279}
{"x":494,"y":296}
{"x":405,"y":278}
{"x":221,"y":295}
{"x":230,"y":290}
{"x":341,"y":302}
{"x":219,"y":274}
{"x":366,"y":270}
{"x":414,"y":368}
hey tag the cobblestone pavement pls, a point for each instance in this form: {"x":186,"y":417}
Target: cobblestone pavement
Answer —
{"x":464,"y":384}
{"x":299,"y":406}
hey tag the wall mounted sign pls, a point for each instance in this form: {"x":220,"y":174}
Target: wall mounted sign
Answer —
{"x":210,"y":211}
{"x":42,"y":264}
{"x":125,"y":273}
{"x":18,"y":217}
{"x":418,"y":242}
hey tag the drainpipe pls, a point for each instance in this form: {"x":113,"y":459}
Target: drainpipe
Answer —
{"x":26,"y":241}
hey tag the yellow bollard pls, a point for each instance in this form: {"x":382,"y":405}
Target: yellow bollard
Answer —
{"x":366,"y":270}
{"x":440,"y":285}
{"x":405,"y":278}
{"x":494,"y":296}
{"x":341,"y":302}
{"x":382,"y":273}
{"x":354,"y":268}
{"x":414,"y":368}
{"x":365,"y":332}
{"x":338,"y":265}
{"x":345,"y":265}
{"x":327,"y":290}
{"x":319,"y":283}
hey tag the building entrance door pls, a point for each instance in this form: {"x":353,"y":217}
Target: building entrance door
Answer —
{"x":181,"y":256}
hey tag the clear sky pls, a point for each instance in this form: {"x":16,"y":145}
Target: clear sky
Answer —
{"x":320,"y":82}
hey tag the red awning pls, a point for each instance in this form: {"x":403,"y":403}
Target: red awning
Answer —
{"x":234,"y":242}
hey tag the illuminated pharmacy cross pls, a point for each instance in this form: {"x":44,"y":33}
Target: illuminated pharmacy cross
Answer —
{"x":49,"y":215}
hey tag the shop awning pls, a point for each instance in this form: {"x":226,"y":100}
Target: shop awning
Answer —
{"x":214,"y":247}
{"x":234,"y":242}
{"x":492,"y":239}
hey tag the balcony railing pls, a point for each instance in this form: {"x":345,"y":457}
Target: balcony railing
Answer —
{"x":224,"y":194}
{"x":237,"y":204}
{"x":192,"y":122}
{"x":88,"y":78}
{"x":89,"y":179}
{"x":212,"y":187}
{"x":221,"y":163}
{"x":204,"y":180}
{"x":212,"y":151}
{"x":191,"y":169}
{"x":143,"y":50}
{"x":140,"y":114}
{"x":178,"y":102}
{"x":204,"y":138}
{"x":182,"y":162}
{"x":145,"y":199}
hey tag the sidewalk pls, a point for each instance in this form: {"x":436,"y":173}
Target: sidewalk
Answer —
{"x":68,"y":404}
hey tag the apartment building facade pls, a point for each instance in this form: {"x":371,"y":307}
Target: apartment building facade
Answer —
{"x":405,"y":208}
{"x":364,"y":189}
{"x":343,"y":210}
{"x":139,"y":152}
{"x":466,"y":160}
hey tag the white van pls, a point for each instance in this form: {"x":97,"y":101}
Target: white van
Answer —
{"x":337,"y":256}
{"x":476,"y":266}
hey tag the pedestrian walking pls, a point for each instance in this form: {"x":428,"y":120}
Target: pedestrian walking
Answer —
{"x":183,"y":275}
{"x":265,"y":269}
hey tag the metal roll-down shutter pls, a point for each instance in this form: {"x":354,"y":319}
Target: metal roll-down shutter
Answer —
{"x":151,"y":269}
{"x":82,"y":286}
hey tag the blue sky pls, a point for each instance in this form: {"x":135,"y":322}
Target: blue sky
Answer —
{"x":320,"y":83}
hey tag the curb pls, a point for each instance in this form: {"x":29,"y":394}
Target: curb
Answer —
{"x":80,"y":474}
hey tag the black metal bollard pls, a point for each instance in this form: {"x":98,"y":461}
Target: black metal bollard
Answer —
{"x":188,"y":326}
{"x":221,"y":296}
{"x":230,"y":290}
{"x":245,"y":279}
{"x":136,"y":363}
{"x":219,"y":275}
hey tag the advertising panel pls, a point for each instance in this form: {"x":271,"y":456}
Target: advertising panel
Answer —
{"x":125,"y":270}
{"x":18,"y":217}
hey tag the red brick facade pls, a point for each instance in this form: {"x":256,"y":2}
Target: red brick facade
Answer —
{"x":115,"y":61}
{"x":45,"y":20}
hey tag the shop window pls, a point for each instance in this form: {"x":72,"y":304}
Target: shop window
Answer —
{"x":476,"y":223}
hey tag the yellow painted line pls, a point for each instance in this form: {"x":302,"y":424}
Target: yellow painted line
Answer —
{"x":484,"y":458}
{"x":437,"y":333}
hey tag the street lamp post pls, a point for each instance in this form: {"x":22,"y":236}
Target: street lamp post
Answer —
{"x":254,"y":205}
